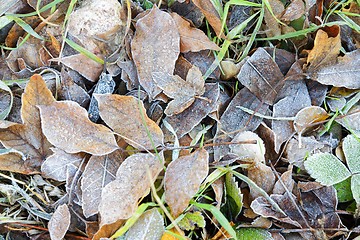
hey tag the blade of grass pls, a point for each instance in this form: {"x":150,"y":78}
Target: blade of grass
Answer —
{"x":218,"y":215}
{"x":43,"y":9}
{"x":131,"y":221}
{"x":84,"y":51}
{"x":25,"y":26}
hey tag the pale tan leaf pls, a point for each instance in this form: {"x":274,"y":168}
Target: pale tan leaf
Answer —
{"x":28,"y":137}
{"x":14,"y":161}
{"x":325,"y":50}
{"x":119,"y":198}
{"x":123,"y":115}
{"x":183,"y":178}
{"x":150,"y":226}
{"x":192,"y":39}
{"x":253,"y":152}
{"x":67,"y":126}
{"x":99,"y":171}
{"x":155,"y":48}
{"x":308,"y":116}
{"x":55,"y":166}
{"x":59,"y":223}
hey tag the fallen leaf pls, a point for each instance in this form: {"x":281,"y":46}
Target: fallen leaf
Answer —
{"x":155,"y":48}
{"x":307,"y":116}
{"x":203,"y":60}
{"x":59,"y":222}
{"x":262,"y":76}
{"x":351,"y":120}
{"x":325,"y":50}
{"x":200,"y":108}
{"x":235,"y":120}
{"x":182,"y":179}
{"x":208,"y":9}
{"x":56,"y":165}
{"x":150,"y":226}
{"x":126,"y":115}
{"x":85,"y":66}
{"x":252,"y":152}
{"x":183,"y":92}
{"x":293,"y":11}
{"x":28,"y":137}
{"x":192,"y":39}
{"x":99,"y":171}
{"x":346,"y":68}
{"x":67,"y":126}
{"x":272,"y":25}
{"x":14,"y":161}
{"x":119,"y":198}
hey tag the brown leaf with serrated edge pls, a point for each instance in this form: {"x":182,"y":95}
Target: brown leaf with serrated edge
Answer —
{"x":183,"y":178}
{"x":262,"y":76}
{"x":67,"y":126}
{"x":28,"y":137}
{"x":55,"y":166}
{"x":99,"y":171}
{"x":192,"y":39}
{"x":208,"y":9}
{"x":59,"y":222}
{"x":326,"y":49}
{"x":183,"y":92}
{"x":155,"y":47}
{"x":119,"y":198}
{"x":123,"y":115}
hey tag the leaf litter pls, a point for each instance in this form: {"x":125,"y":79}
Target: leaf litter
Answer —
{"x":118,"y":135}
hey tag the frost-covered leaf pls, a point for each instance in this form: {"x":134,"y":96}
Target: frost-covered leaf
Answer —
{"x":307,"y":116}
{"x":190,"y":220}
{"x":355,"y":187}
{"x":59,"y":222}
{"x":155,"y":47}
{"x":67,"y":126}
{"x":28,"y":137}
{"x":183,"y":178}
{"x":125,"y":115}
{"x":253,"y":152}
{"x":150,"y":226}
{"x":253,"y":233}
{"x":351,"y":148}
{"x":99,"y":171}
{"x":119,"y":198}
{"x":326,"y":168}
{"x":55,"y":166}
{"x":192,"y":39}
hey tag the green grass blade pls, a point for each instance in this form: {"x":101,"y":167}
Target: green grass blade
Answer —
{"x":25,"y":26}
{"x":218,"y":59}
{"x":43,"y":9}
{"x":84,"y":51}
{"x":218,"y":215}
{"x":235,"y":31}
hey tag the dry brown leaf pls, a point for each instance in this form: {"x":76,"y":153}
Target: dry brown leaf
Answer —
{"x":253,"y":152}
{"x":14,"y":161}
{"x":155,"y":48}
{"x":183,"y":92}
{"x":87,"y":67}
{"x":345,"y":68}
{"x":56,"y":165}
{"x":272,"y":25}
{"x":308,"y":116}
{"x":183,"y":178}
{"x":67,"y":126}
{"x":197,"y":111}
{"x":123,"y":115}
{"x":325,"y":50}
{"x":99,"y":171}
{"x":119,"y":198}
{"x":192,"y":39}
{"x":28,"y":137}
{"x":294,"y":11}
{"x":262,"y":76}
{"x":208,"y":9}
{"x":59,"y":222}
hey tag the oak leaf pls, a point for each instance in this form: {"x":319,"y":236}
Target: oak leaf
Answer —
{"x":67,"y":126}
